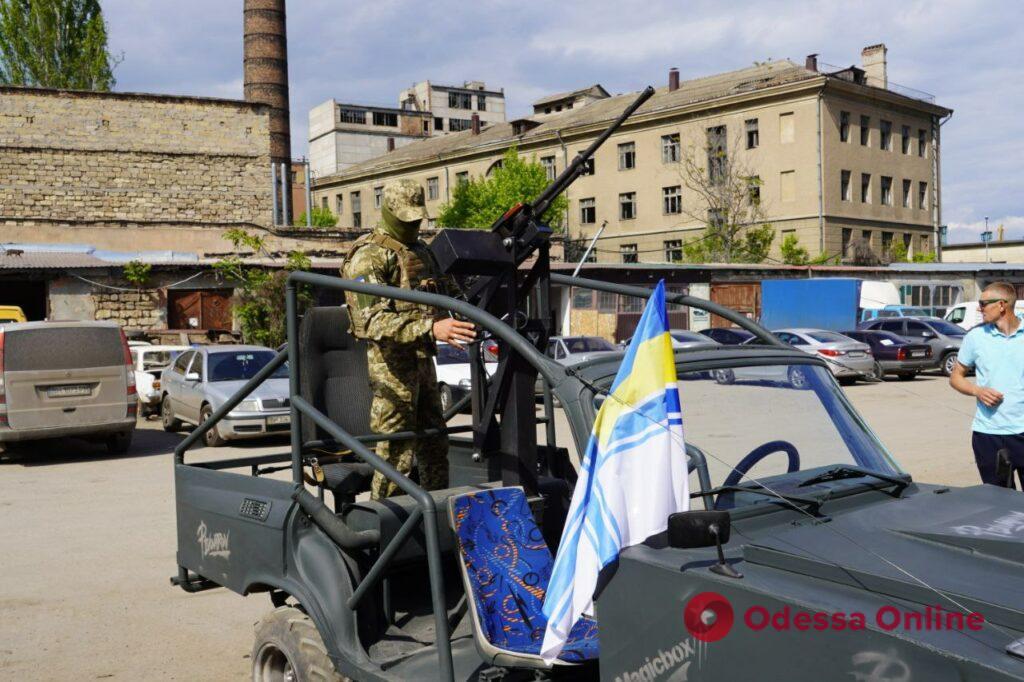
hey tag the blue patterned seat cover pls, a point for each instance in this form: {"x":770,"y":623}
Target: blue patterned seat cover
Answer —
{"x":509,"y":566}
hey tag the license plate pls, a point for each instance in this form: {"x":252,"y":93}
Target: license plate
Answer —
{"x":917,"y":354}
{"x":69,"y":391}
{"x":856,"y":354}
{"x":275,"y":421}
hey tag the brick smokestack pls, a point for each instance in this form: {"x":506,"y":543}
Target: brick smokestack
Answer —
{"x":673,"y":79}
{"x":474,"y":123}
{"x":266,"y":69}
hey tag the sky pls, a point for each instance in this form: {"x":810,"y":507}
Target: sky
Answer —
{"x":968,"y":54}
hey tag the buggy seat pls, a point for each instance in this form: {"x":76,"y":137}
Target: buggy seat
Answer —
{"x":506,"y":565}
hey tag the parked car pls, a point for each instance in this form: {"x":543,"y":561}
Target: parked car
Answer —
{"x":943,"y":337}
{"x":66,"y":379}
{"x":895,"y":311}
{"x":730,"y":336}
{"x":967,"y":316}
{"x":682,"y":339}
{"x":569,"y":350}
{"x":202,"y":379}
{"x":894,"y":354}
{"x":849,"y":360}
{"x":149,"y":362}
{"x":453,"y":376}
{"x":11,"y":313}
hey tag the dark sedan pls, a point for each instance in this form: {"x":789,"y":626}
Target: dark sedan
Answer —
{"x":895,"y":354}
{"x":730,"y":336}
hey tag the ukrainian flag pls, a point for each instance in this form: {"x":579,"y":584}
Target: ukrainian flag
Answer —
{"x":633,"y":475}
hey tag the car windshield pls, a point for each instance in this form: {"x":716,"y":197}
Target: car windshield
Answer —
{"x":242,"y":365}
{"x":586,"y":344}
{"x":448,"y":354}
{"x":157,"y":359}
{"x":828,"y":337}
{"x":946,"y":328}
{"x":776,"y":424}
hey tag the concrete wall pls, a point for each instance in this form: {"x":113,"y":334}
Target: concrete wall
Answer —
{"x":84,"y":167}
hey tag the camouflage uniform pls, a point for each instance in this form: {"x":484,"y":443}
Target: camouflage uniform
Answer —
{"x":401,"y":340}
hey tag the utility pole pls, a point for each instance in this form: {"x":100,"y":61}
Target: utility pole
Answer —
{"x":986,"y":236}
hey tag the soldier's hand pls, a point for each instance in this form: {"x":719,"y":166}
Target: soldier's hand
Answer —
{"x":454,"y":331}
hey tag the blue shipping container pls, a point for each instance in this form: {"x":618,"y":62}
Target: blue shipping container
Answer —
{"x":831,"y":303}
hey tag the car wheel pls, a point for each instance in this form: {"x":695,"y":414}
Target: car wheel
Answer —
{"x":948,"y":363}
{"x":446,"y":396}
{"x":170,"y":422}
{"x":797,"y":378}
{"x":118,"y":443}
{"x":877,"y":371}
{"x":724,"y":376}
{"x":289,"y":647}
{"x":212,"y":436}
{"x":908,"y":376}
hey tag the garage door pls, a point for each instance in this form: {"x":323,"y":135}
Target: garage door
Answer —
{"x":199,"y":309}
{"x":744,"y":298}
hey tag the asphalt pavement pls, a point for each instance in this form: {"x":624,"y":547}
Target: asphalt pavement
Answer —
{"x":87,"y":544}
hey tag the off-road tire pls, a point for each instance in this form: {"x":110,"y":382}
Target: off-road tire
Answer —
{"x":948,"y":363}
{"x":907,"y":376}
{"x":212,"y":438}
{"x":445,"y":392}
{"x":170,"y":422}
{"x":287,"y":640}
{"x":119,"y":443}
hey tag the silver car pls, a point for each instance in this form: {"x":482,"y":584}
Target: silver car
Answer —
{"x":569,"y":350}
{"x":848,"y":359}
{"x":682,"y":339}
{"x":201,"y":380}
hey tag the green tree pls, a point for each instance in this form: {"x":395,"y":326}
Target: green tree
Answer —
{"x":322,"y":217}
{"x":728,"y":203}
{"x":259,"y":291}
{"x":479,"y":202}
{"x":794,"y":254}
{"x":55,"y":44}
{"x":137,"y":272}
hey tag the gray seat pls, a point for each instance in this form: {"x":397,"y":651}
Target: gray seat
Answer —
{"x":333,"y":378}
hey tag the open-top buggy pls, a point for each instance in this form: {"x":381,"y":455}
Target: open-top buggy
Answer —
{"x":815,"y":557}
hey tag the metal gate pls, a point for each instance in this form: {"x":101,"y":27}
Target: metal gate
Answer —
{"x":744,"y":298}
{"x":199,"y":309}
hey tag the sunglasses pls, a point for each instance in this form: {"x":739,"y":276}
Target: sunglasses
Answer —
{"x":983,"y":303}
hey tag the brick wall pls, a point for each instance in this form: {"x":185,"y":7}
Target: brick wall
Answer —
{"x":125,"y":160}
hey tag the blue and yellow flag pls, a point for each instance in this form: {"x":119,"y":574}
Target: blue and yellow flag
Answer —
{"x":633,"y":475}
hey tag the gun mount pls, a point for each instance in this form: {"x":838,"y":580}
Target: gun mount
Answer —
{"x":492,"y":261}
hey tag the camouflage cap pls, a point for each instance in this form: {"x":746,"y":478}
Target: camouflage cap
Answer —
{"x":404,"y":198}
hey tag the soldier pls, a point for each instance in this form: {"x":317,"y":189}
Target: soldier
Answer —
{"x":402,"y":337}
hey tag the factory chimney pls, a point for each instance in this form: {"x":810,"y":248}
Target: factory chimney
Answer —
{"x":266,"y":69}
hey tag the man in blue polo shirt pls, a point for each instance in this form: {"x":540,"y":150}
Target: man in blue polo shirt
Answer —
{"x":995,"y":350}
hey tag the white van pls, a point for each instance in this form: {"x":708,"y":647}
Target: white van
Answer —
{"x":968,"y":316}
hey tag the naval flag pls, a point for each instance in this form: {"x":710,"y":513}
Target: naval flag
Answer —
{"x":633,"y":475}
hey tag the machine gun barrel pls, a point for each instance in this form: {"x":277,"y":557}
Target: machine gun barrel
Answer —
{"x":536,"y":209}
{"x":575,"y":168}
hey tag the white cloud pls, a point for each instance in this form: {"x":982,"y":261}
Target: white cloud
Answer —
{"x":1013,"y":228}
{"x":969,"y":54}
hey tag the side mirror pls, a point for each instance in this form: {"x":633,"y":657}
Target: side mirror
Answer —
{"x":193,"y":376}
{"x":695,"y":529}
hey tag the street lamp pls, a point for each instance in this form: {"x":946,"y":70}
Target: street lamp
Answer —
{"x":986,"y":237}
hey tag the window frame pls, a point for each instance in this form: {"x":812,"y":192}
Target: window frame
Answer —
{"x":670,"y":148}
{"x":752,"y":132}
{"x":627,"y":155}
{"x":584,"y":208}
{"x":672,"y":197}
{"x":627,"y":199}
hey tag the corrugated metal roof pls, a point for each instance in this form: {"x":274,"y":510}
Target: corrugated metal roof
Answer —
{"x":48,"y":260}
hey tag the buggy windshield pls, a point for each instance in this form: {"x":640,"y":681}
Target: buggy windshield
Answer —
{"x":777,"y":424}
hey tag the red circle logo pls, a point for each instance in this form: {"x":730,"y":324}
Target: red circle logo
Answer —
{"x":708,"y":616}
